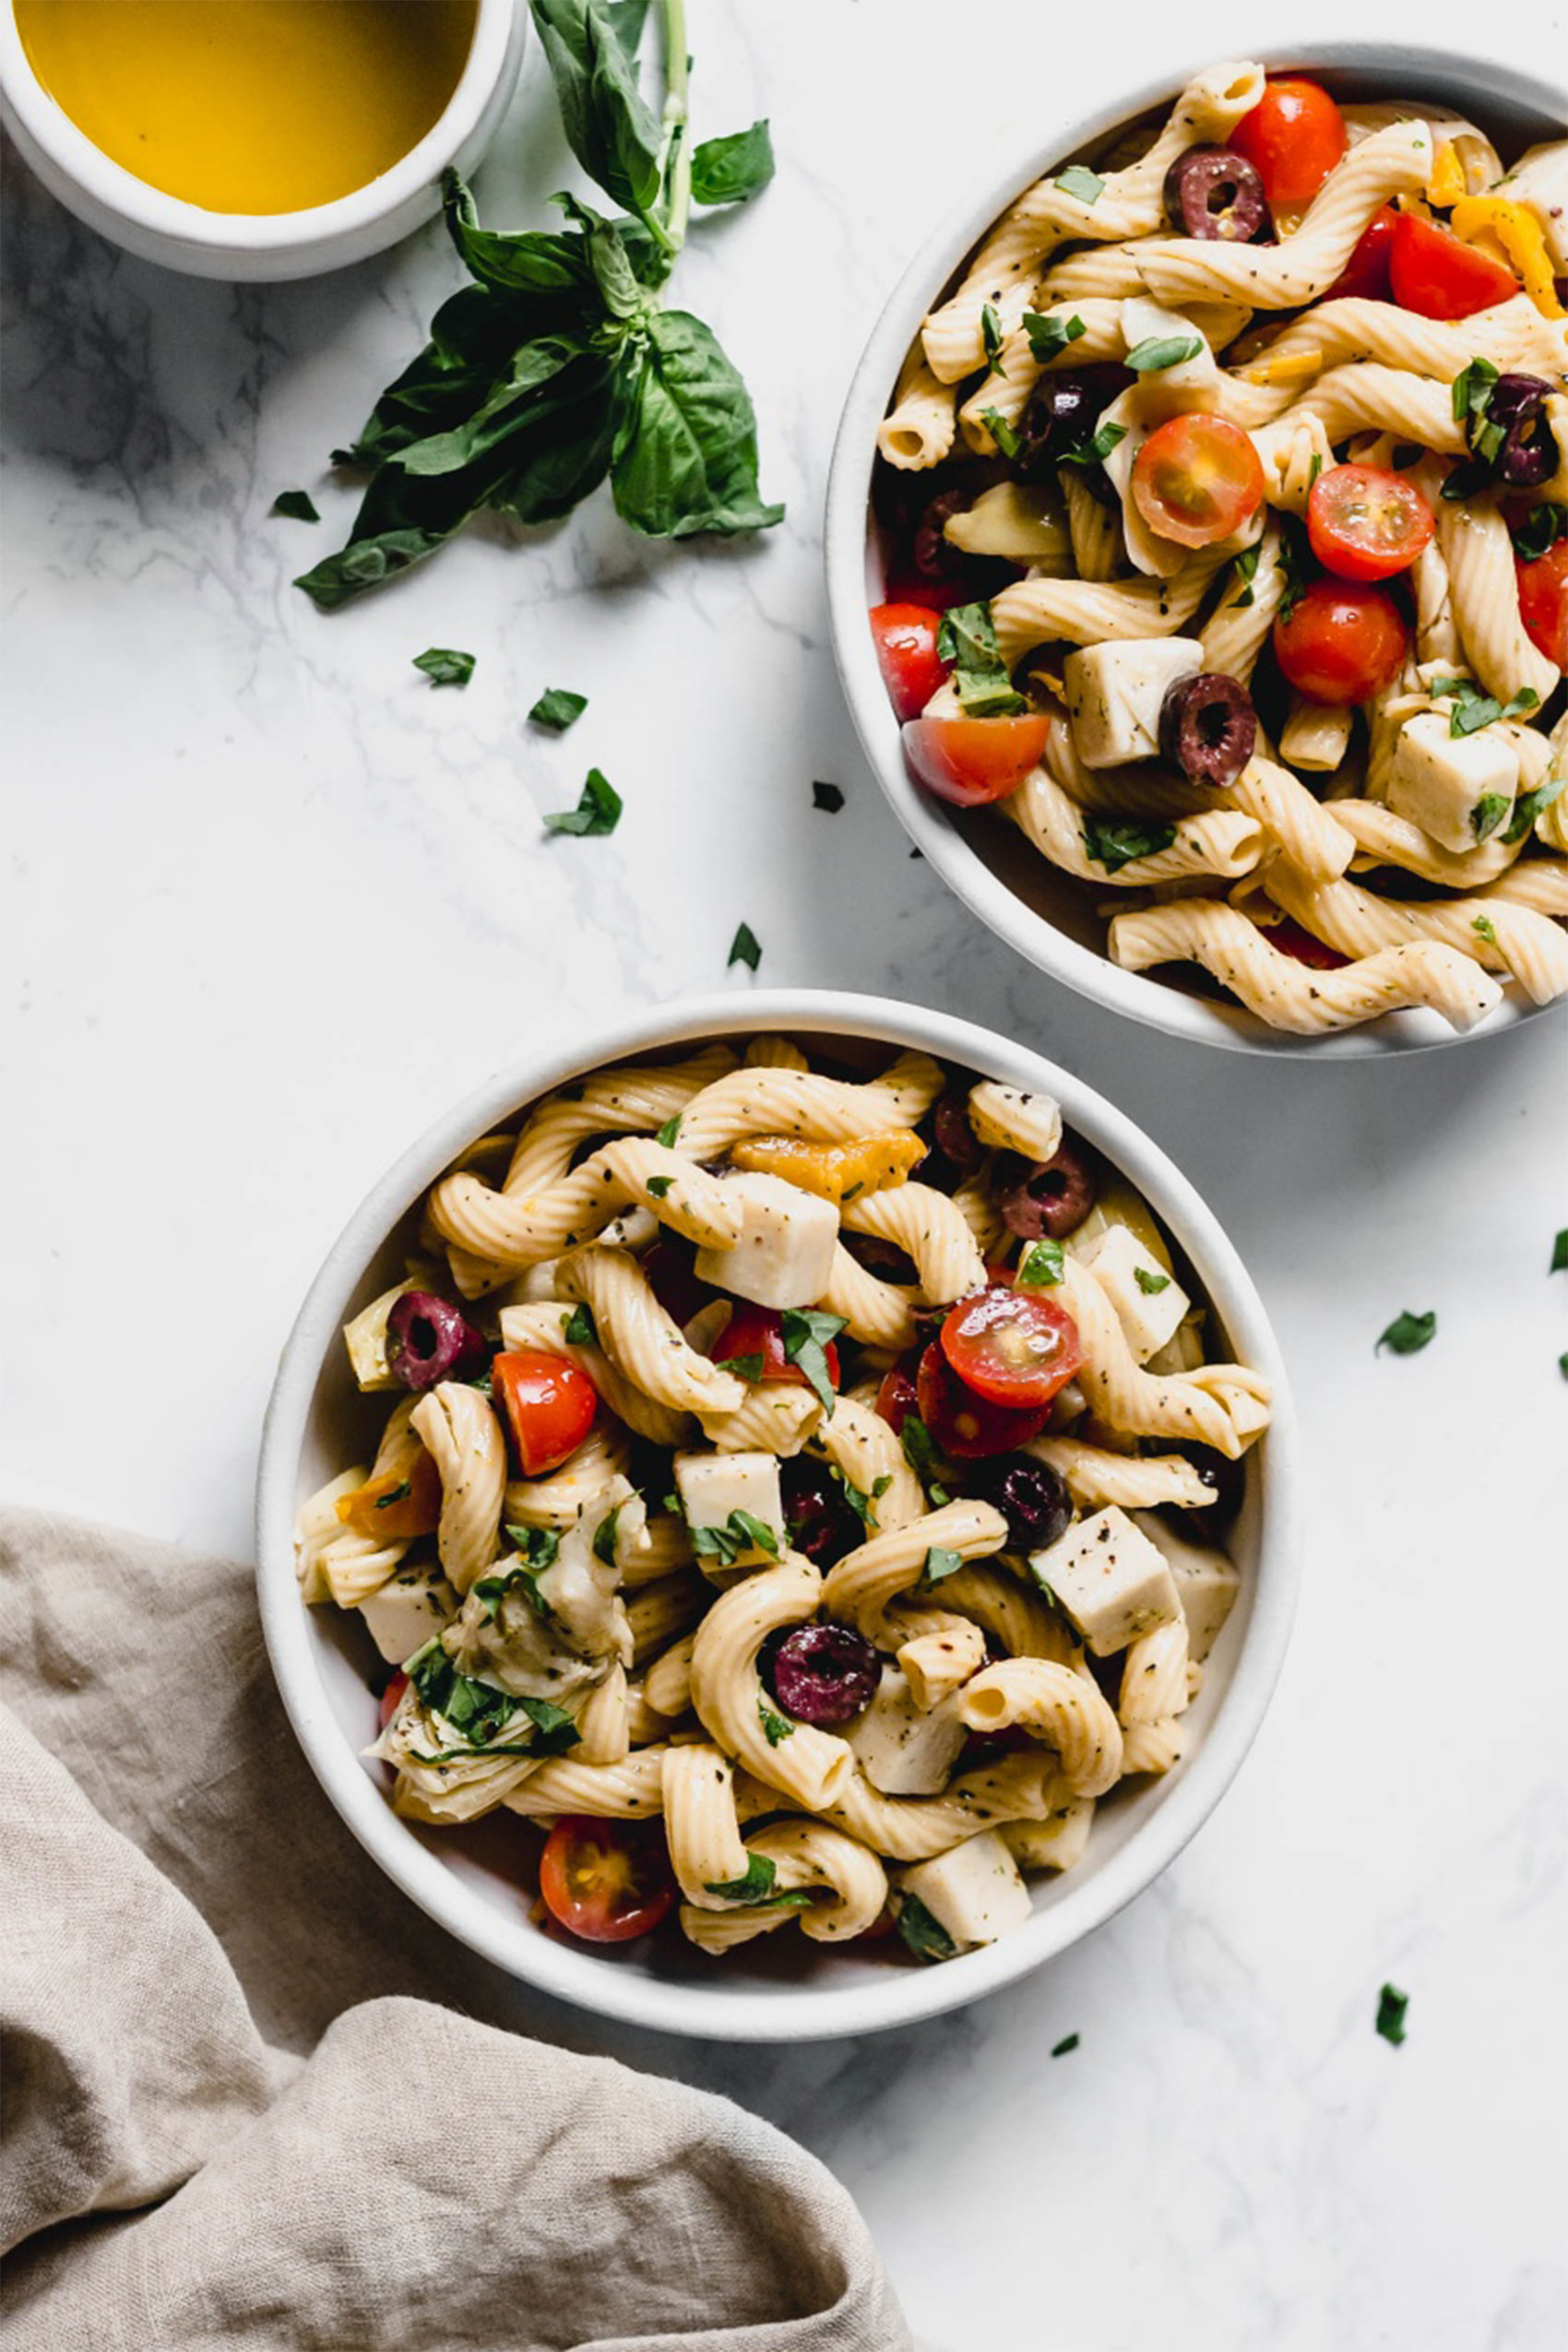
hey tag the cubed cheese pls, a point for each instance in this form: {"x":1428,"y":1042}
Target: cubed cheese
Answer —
{"x":713,"y":1485}
{"x":974,"y":1891}
{"x":1148,"y":1300}
{"x":1112,"y":1581}
{"x":903,"y":1751}
{"x":1458,"y":788}
{"x":784,"y":1257}
{"x":409,"y":1609}
{"x":1206,"y":1583}
{"x":1115,"y":692}
{"x":1055,"y":1844}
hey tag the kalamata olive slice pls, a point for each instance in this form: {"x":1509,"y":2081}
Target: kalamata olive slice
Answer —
{"x":823,"y":1674}
{"x":1031,"y":1495}
{"x":428,"y":1339}
{"x":1515,"y":396}
{"x":819,"y":1521}
{"x":955,"y":1137}
{"x":1208,"y":728}
{"x":1047,"y":1196}
{"x":1213,"y":192}
{"x":1064,"y":408}
{"x":935,"y":557}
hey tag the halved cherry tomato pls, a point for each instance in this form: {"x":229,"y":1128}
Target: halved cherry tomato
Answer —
{"x":1436,"y":274}
{"x":1343,"y":641}
{"x":1543,"y":603}
{"x":1365,"y":275}
{"x":390,"y":1696}
{"x":970,"y":761}
{"x":759,"y":1331}
{"x":606,"y":1880}
{"x":906,"y":647}
{"x":396,"y":1508}
{"x":1293,"y":138}
{"x":1366,"y":523}
{"x":1197,"y":479}
{"x":549,"y":1405}
{"x":964,"y":1425}
{"x":1011,"y":1346}
{"x":895,"y":1399}
{"x":1292,"y":940}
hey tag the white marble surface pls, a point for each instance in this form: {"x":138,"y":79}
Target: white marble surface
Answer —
{"x":272,"y":902}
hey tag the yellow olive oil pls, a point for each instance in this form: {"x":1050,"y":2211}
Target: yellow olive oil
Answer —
{"x":250,"y":105}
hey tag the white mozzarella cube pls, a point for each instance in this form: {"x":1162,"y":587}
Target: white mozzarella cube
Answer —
{"x":1112,"y":1581}
{"x":784,"y":1257}
{"x":1055,"y":1843}
{"x":409,"y":1609}
{"x":1206,"y":1583}
{"x":1148,"y":1300}
{"x":1115,"y":692}
{"x":713,"y":1485}
{"x":1444,"y":783}
{"x":904,"y":1751}
{"x":974,"y":1891}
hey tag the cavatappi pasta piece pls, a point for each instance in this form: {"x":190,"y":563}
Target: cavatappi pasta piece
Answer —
{"x":804,"y":1855}
{"x":543,"y":1326}
{"x":604,"y":1721}
{"x":861,"y":1586}
{"x":1152,"y":1747}
{"x":1015,"y":1616}
{"x":771,"y":1419}
{"x":1224,"y":842}
{"x":911,"y":1829}
{"x":459,"y":1431}
{"x":629,"y":1790}
{"x":667,"y":1686}
{"x":785,"y":1101}
{"x":917,"y":431}
{"x":1542,"y":883}
{"x":925,"y":1225}
{"x":861,"y":1445}
{"x":657,"y":1613}
{"x":878,"y":1313}
{"x":705,"y":1847}
{"x":1156,"y":1676}
{"x":935,"y":1665}
{"x":1237,"y":628}
{"x":1295,"y":824}
{"x":1007,"y":1118}
{"x":1483,"y":585}
{"x":1138,"y":790}
{"x":505,"y":1231}
{"x":1053,"y":1702}
{"x":1532,"y":948}
{"x":1055,"y":1843}
{"x":336,"y":1561}
{"x":1096,"y":1477}
{"x":1316,"y":736}
{"x":561,"y":1499}
{"x":810,"y":1767}
{"x":1095,"y":530}
{"x":1091,"y":612}
{"x":624,"y":1101}
{"x":640,"y":1340}
{"x":1385,"y":839}
{"x":1225,"y":1406}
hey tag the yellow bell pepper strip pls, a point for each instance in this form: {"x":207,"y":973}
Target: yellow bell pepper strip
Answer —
{"x":1523,"y":240}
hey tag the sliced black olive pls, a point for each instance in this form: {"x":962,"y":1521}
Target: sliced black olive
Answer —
{"x":1063,"y":411}
{"x":935,"y":557}
{"x":1213,"y":192}
{"x":1047,"y":1196}
{"x":1031,"y":1495}
{"x":1208,"y":728}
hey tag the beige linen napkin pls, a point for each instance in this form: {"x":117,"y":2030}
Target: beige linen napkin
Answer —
{"x":184,"y":1918}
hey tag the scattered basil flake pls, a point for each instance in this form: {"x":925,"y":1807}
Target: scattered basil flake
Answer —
{"x":1391,"y":2006}
{"x":445,"y":666}
{"x":1540,"y":532}
{"x":1489,"y":814}
{"x":598,"y":811}
{"x":475,"y":1710}
{"x":919,"y":1452}
{"x":1563,"y":1365}
{"x":667,"y":1132}
{"x":295,"y":507}
{"x":1068,"y":2042}
{"x":728,"y":170}
{"x":1484,"y":927}
{"x":1114,"y":846}
{"x":540,"y":1546}
{"x":659,"y":1185}
{"x":739,"y":1533}
{"x":494,"y":1590}
{"x":1096,"y":449}
{"x":1295,"y":568}
{"x":966,"y":636}
{"x":1049,"y":334}
{"x":806,"y":1333}
{"x":1157,"y":352}
{"x":554,"y":1730}
{"x":1466,"y":480}
{"x":1245,"y":570}
{"x":992,"y":338}
{"x":745,"y":948}
{"x":557,"y":707}
{"x":827,"y":797}
{"x":775,"y":1727}
{"x":761,"y":1871}
{"x":1528,"y":806}
{"x":1407,"y":1334}
{"x":1474,"y":709}
{"x":1005,"y":435}
{"x":746,"y":1368}
{"x":924,"y":1934}
{"x":940,"y":1564}
{"x":579,"y":1330}
{"x":1150,"y":1284}
{"x":1041,"y":1262}
{"x":858,"y":1499}
{"x":1080,"y":181}
{"x":604,"y":1536}
{"x":1559,"y":1254}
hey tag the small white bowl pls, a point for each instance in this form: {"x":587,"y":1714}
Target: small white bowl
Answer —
{"x":317,"y":1423}
{"x":1047,"y":916}
{"x":246,"y":246}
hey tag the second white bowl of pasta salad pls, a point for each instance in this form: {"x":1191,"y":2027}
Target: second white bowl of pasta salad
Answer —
{"x":1197,"y":552}
{"x":774,"y":1528}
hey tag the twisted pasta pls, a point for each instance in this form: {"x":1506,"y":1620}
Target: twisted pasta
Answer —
{"x":462,"y":1436}
{"x":804,"y":1855}
{"x":1057,"y":1706}
{"x":861,"y":1586}
{"x":807,"y":1764}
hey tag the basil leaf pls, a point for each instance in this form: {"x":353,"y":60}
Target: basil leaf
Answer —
{"x":540,"y":1546}
{"x":444,"y":666}
{"x":1484,"y":927}
{"x":598,"y":810}
{"x":1114,"y":846}
{"x":966,"y":636}
{"x":806,"y":1333}
{"x":295,"y":505}
{"x":608,"y":127}
{"x":827,"y":797}
{"x":394,"y":1495}
{"x":604,"y":1536}
{"x":1080,"y":181}
{"x":745,"y":948}
{"x":1537,"y":535}
{"x":686,"y":454}
{"x":1559,"y":1254}
{"x":579,"y":1330}
{"x":1391,"y":2006}
{"x":1041,"y":1262}
{"x":557,"y":707}
{"x":1004,"y":435}
{"x":554,"y":1730}
{"x":991,"y":338}
{"x":940,"y":1564}
{"x":1245,"y":570}
{"x":1466,"y":480}
{"x":475,"y":1710}
{"x":761,"y":1871}
{"x":1150,"y":1284}
{"x":628,"y":18}
{"x":1158,"y":351}
{"x":856,"y":1497}
{"x":667,"y":1132}
{"x":747,"y":1367}
{"x":924,"y":1934}
{"x":919,"y":1452}
{"x":1096,"y":449}
{"x":1528,"y":806}
{"x":739,"y":1533}
{"x":1488,"y":813}
{"x":1408,"y":1334}
{"x":728,"y":170}
{"x":1068,"y":2042}
{"x":658,"y":1186}
{"x":1049,"y":333}
{"x":775,"y":1728}
{"x":548,"y":268}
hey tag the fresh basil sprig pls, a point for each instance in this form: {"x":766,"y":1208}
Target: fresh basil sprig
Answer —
{"x":966,"y":636}
{"x":558,"y":364}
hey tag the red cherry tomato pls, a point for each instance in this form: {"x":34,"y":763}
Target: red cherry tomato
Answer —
{"x":964,"y":1425}
{"x":1342,"y":642}
{"x":1197,"y":479}
{"x":1365,"y":275}
{"x":1292,"y":940}
{"x":897,"y":1398}
{"x":390,"y":1696}
{"x":1011,"y":1346}
{"x":548,"y":1405}
{"x":906,"y":647}
{"x":1366,"y":523}
{"x":606,"y":1880}
{"x":1543,"y":603}
{"x":1435,"y":273}
{"x":970,"y":761}
{"x":1293,"y":138}
{"x":759,"y":1331}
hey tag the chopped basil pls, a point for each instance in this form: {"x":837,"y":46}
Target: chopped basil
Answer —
{"x":924,"y":1934}
{"x":1040,"y":1264}
{"x":1114,"y":846}
{"x":554,"y":1730}
{"x":747,"y":1367}
{"x":557,"y":707}
{"x":806,"y":1332}
{"x":940,"y":1564}
{"x":475,"y":1710}
{"x":1540,"y":532}
{"x":1408,"y":1334}
{"x":1004,"y":435}
{"x":1068,"y":2042}
{"x":967,"y":637}
{"x":1158,"y":351}
{"x":728,"y":170}
{"x":1484,"y":927}
{"x":919,"y":1452}
{"x":540,"y":1546}
{"x":1391,"y":2006}
{"x":1150,"y":1284}
{"x":1315,"y":468}
{"x":394,"y":1495}
{"x":445,"y":666}
{"x":740,"y":1533}
{"x":761,"y":1871}
{"x":1528,"y":806}
{"x":1472,"y":391}
{"x":775,"y":1727}
{"x":1473,"y":709}
{"x":1094,"y":451}
{"x":659,"y":1185}
{"x":992,"y":338}
{"x":827,"y":797}
{"x":1049,"y":334}
{"x":1295,"y":570}
{"x":598,"y":810}
{"x":745,"y":948}
{"x":1080,"y":181}
{"x":579,"y":1330}
{"x":296,"y":506}
{"x":1563,"y":1366}
{"x":604,"y":1536}
{"x":860,"y":1502}
{"x":667,"y":1132}
{"x":1489,"y":814}
{"x":1245,"y":570}
{"x":494,"y":1590}
{"x":1559,"y":1254}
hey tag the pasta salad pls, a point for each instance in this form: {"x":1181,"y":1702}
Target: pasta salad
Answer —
{"x":1224,"y":500}
{"x":800,"y":1494}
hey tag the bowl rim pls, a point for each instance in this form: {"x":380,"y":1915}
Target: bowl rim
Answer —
{"x":157,"y":214}
{"x":1088,"y":971}
{"x":772,"y":2013}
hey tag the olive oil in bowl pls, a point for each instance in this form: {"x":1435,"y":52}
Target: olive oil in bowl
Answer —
{"x":250,"y":106}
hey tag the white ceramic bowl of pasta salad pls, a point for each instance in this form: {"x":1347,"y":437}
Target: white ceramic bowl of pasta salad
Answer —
{"x":699,"y":1642}
{"x":1381,"y":871}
